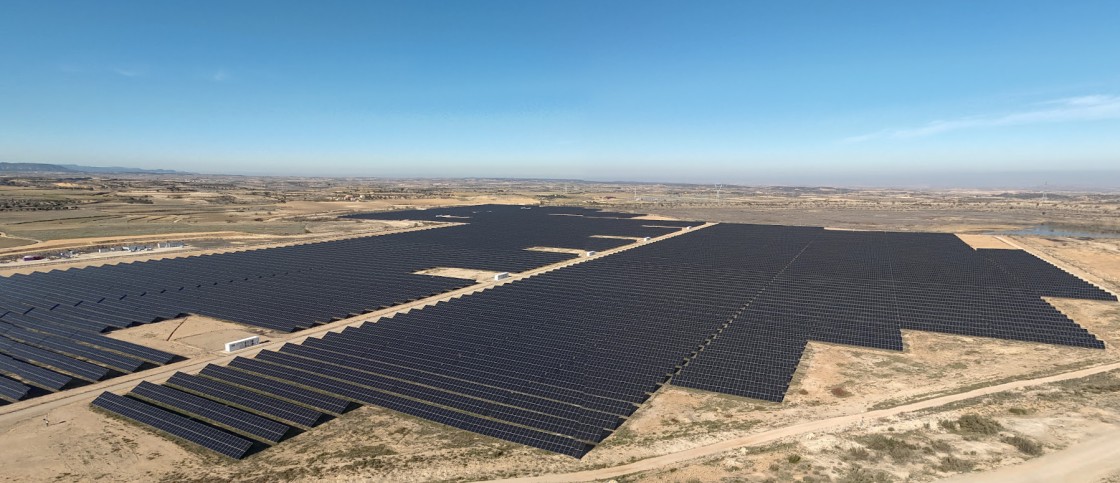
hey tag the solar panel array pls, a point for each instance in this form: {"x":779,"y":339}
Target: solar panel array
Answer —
{"x":40,"y":359}
{"x":175,"y":425}
{"x":862,"y":288}
{"x":559,"y":360}
{"x":54,"y":320}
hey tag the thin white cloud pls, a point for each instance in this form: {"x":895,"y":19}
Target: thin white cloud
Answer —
{"x":128,"y":72}
{"x":1070,"y":109}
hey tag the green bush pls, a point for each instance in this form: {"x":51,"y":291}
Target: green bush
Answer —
{"x":793,"y":458}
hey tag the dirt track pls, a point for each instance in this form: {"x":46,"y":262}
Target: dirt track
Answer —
{"x":803,"y":428}
{"x":1088,"y":461}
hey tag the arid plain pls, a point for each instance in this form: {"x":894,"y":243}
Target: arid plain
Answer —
{"x":946,"y":406}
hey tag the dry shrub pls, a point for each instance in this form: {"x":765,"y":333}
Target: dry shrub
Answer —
{"x":952,"y":464}
{"x":1024,"y":445}
{"x":977,"y":424}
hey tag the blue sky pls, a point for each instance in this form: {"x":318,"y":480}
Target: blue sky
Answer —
{"x":738,"y":92}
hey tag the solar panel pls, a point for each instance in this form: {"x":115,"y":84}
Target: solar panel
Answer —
{"x":279,"y":389}
{"x":210,"y":411}
{"x":105,"y":358}
{"x":11,"y":390}
{"x":244,"y":399}
{"x":175,"y":425}
{"x":135,"y":350}
{"x":34,"y":375}
{"x":56,"y":362}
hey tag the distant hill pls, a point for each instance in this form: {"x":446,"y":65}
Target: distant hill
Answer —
{"x":74,"y":168}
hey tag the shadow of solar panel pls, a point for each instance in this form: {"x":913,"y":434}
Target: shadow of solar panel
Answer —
{"x":175,"y":425}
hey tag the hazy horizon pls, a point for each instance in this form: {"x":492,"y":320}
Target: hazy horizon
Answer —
{"x":946,"y":94}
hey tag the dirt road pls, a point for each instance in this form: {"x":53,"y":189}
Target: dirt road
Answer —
{"x":1088,"y":461}
{"x":830,"y":424}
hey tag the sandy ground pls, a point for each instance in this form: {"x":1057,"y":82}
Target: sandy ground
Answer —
{"x":463,"y":273}
{"x":574,"y":251}
{"x":655,"y":217}
{"x":984,"y":241}
{"x":1090,"y":460}
{"x":923,"y":441}
{"x":190,"y":336}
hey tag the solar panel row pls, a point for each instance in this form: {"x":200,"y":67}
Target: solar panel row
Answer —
{"x":237,"y":420}
{"x":12,"y":390}
{"x":175,"y":425}
{"x":247,"y":400}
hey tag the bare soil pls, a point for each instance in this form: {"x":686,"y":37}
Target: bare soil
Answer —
{"x":985,"y":241}
{"x":190,"y":336}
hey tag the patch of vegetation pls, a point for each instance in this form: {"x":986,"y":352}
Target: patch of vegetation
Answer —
{"x":793,"y":458}
{"x":25,"y":204}
{"x":977,"y":424}
{"x":1103,"y":383}
{"x":859,"y":454}
{"x":1025,"y":445}
{"x":1019,"y":411}
{"x":899,"y":450}
{"x":941,"y":446}
{"x":858,"y":474}
{"x":1006,"y":395}
{"x":839,"y":391}
{"x":952,"y":464}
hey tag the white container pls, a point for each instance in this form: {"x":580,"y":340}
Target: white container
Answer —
{"x":242,"y":344}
